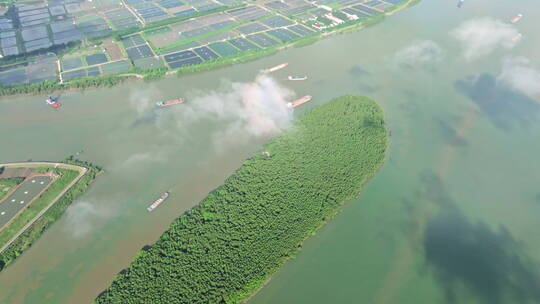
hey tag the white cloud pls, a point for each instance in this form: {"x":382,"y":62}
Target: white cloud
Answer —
{"x":139,"y":157}
{"x":153,"y":155}
{"x":141,"y":98}
{"x":420,"y":54}
{"x":258,"y":107}
{"x":480,"y":37}
{"x":82,"y":217}
{"x":233,"y":114}
{"x":518,"y":74}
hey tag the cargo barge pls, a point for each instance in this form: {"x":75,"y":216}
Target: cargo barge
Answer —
{"x":170,"y":102}
{"x":276,"y":68}
{"x":157,"y":202}
{"x":300,"y":101}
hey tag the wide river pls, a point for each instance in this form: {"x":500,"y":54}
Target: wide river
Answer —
{"x":452,"y":217}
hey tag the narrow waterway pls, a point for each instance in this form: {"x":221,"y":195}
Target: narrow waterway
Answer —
{"x":452,"y":216}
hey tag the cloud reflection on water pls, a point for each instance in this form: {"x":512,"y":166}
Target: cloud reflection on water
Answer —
{"x":449,"y":133}
{"x":464,"y":255}
{"x":504,"y":107}
{"x":358,"y":71}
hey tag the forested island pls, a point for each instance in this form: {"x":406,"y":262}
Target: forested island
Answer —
{"x":224,"y":249}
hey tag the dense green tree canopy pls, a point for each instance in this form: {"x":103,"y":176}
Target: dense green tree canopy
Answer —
{"x":226,"y":247}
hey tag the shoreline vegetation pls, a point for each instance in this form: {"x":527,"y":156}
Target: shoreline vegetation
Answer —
{"x":51,"y":87}
{"x":224,"y":249}
{"x":53,"y":213}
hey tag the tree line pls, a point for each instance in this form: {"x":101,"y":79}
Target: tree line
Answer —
{"x":53,"y":85}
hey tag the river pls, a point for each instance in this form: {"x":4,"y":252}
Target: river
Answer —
{"x":451,"y":217}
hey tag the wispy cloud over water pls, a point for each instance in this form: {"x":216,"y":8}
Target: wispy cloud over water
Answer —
{"x":82,"y":217}
{"x":419,"y":55}
{"x":518,"y":73}
{"x":258,"y":107}
{"x":482,"y":36}
{"x":231,"y":115}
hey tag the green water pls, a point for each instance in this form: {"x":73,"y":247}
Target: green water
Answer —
{"x":451,"y":217}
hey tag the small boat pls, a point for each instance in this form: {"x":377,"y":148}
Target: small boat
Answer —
{"x":517,"y":37}
{"x":300,"y":101}
{"x":157,"y":202}
{"x":297,"y":78}
{"x":460,"y":3}
{"x":276,"y":68}
{"x":170,"y":102}
{"x":53,"y":102}
{"x":516,"y":18}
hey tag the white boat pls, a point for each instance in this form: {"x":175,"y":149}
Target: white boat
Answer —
{"x":516,"y":18}
{"x":297,"y":78}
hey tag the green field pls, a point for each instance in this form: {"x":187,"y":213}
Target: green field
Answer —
{"x":223,"y":250}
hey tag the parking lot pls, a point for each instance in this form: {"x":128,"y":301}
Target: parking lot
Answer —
{"x":22,"y":197}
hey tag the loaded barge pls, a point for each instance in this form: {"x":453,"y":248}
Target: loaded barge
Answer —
{"x":170,"y":102}
{"x":300,"y":101}
{"x":276,"y":68}
{"x":157,"y":202}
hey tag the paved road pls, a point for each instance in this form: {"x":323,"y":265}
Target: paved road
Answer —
{"x":82,"y":171}
{"x":20,"y":198}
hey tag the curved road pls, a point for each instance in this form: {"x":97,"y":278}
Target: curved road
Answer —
{"x":82,"y":171}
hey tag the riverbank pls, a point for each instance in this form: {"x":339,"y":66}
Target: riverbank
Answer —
{"x":72,"y":179}
{"x":225,"y":248}
{"x":243,"y":56}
